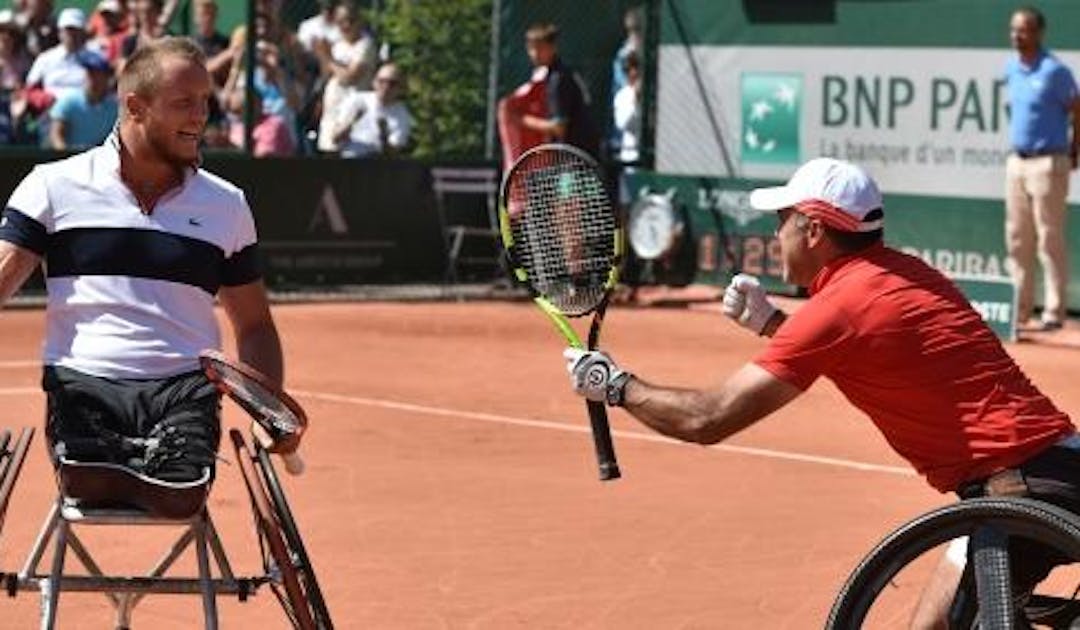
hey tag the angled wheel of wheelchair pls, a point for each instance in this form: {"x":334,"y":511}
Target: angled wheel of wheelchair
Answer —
{"x":304,"y":567}
{"x":1003,"y":518}
{"x":11,"y":462}
{"x":278,"y":560}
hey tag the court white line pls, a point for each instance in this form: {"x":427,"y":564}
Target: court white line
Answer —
{"x":627,"y":435}
{"x":11,"y":365}
{"x":19,"y":391}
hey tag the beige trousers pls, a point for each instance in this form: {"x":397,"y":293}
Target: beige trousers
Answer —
{"x":1035,"y":212}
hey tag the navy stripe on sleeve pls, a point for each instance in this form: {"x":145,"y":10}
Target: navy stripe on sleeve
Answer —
{"x":242,"y":267}
{"x":17,"y":228}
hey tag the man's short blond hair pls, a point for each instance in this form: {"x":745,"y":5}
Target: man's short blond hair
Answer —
{"x":142,"y":72}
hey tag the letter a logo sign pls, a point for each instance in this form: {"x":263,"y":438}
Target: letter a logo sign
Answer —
{"x":771,"y":111}
{"x":328,"y":212}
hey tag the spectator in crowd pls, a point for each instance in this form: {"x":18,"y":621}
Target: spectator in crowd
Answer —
{"x":1042,"y":96}
{"x":319,"y":27}
{"x":37,"y":22}
{"x":567,"y":118}
{"x":84,"y":119}
{"x":627,"y":112}
{"x":270,"y":137}
{"x":276,"y":32}
{"x":14,"y":59}
{"x":58,"y":69}
{"x":350,"y":64}
{"x":14,"y":64}
{"x":377,"y":122}
{"x":108,"y":27}
{"x":213,"y":43}
{"x":148,"y":26}
{"x":277,"y":92}
{"x":632,"y":44}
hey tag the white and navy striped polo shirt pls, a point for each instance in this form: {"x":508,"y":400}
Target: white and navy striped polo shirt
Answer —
{"x":130,"y":295}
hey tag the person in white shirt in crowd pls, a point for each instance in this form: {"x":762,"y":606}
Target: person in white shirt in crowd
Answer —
{"x":81,"y":120}
{"x":377,"y":122}
{"x":350,"y":63}
{"x":627,"y":113}
{"x":320,"y":26}
{"x":58,"y":69}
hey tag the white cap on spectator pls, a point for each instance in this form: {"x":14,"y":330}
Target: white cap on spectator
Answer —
{"x":109,"y":6}
{"x":71,"y":17}
{"x":7,"y":17}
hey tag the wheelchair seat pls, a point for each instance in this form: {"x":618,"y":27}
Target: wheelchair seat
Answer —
{"x":102,"y":485}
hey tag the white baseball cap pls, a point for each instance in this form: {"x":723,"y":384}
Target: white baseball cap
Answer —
{"x":109,"y":6}
{"x":838,"y":193}
{"x":71,"y":17}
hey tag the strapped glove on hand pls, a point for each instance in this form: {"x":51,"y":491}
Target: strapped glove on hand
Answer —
{"x":746,"y":303}
{"x":594,"y":375}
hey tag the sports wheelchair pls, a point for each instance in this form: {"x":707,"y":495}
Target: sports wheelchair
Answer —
{"x":87,"y":496}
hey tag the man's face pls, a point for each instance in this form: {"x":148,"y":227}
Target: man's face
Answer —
{"x":72,"y":38}
{"x":1024,"y":33}
{"x":205,"y":17}
{"x":97,"y":83}
{"x":541,"y":53}
{"x":174,"y":116}
{"x":791,"y":231}
{"x":387,"y":82}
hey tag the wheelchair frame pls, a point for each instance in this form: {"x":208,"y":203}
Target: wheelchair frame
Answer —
{"x":286,"y":566}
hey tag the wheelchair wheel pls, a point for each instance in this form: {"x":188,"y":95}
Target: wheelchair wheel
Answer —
{"x":1007,"y":517}
{"x":277,"y":559}
{"x":302,"y":561}
{"x":12,"y":461}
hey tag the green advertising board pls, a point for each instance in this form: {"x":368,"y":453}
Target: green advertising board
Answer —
{"x":995,"y":300}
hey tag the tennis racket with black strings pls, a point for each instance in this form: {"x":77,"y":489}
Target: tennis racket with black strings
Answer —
{"x":565,"y":244}
{"x":278,"y":420}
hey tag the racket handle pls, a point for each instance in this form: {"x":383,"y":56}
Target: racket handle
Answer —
{"x":605,"y":450}
{"x":294,"y":464}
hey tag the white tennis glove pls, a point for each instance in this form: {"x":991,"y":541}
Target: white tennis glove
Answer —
{"x":746,"y":303}
{"x":593,"y":375}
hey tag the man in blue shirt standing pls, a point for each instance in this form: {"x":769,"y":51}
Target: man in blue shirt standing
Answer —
{"x":83,"y":118}
{"x":1043,"y":97}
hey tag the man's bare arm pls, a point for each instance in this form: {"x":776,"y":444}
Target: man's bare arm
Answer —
{"x":16,"y":265}
{"x":709,"y":416}
{"x":257,"y":341}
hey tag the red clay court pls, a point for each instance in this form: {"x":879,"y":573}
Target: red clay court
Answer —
{"x":451,"y":481}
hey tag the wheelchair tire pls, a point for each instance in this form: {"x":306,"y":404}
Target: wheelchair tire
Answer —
{"x":12,"y":466}
{"x":293,"y":599}
{"x":1027,"y":518}
{"x":302,"y":561}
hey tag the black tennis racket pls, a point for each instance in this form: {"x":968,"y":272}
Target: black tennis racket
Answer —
{"x":565,"y":244}
{"x":279,"y":421}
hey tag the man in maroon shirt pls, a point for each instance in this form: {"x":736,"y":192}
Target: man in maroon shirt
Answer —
{"x":895,"y":336}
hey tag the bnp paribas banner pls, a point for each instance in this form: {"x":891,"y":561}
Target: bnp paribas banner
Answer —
{"x":923,"y":121}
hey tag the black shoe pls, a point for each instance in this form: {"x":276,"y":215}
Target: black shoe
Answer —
{"x":1050,"y":325}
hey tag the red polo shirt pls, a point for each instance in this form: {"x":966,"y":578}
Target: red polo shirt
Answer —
{"x":904,"y":346}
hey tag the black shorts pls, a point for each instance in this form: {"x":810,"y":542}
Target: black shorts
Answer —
{"x":1052,"y":476}
{"x":166,"y":428}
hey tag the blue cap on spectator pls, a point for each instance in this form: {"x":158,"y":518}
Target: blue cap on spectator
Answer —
{"x":93,"y":61}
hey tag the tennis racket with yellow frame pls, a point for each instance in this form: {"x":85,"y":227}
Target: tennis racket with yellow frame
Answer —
{"x":565,"y":244}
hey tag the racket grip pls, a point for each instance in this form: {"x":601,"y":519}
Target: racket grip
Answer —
{"x":605,"y":450}
{"x":294,"y":464}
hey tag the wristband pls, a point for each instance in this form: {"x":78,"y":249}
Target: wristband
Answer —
{"x":616,"y":389}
